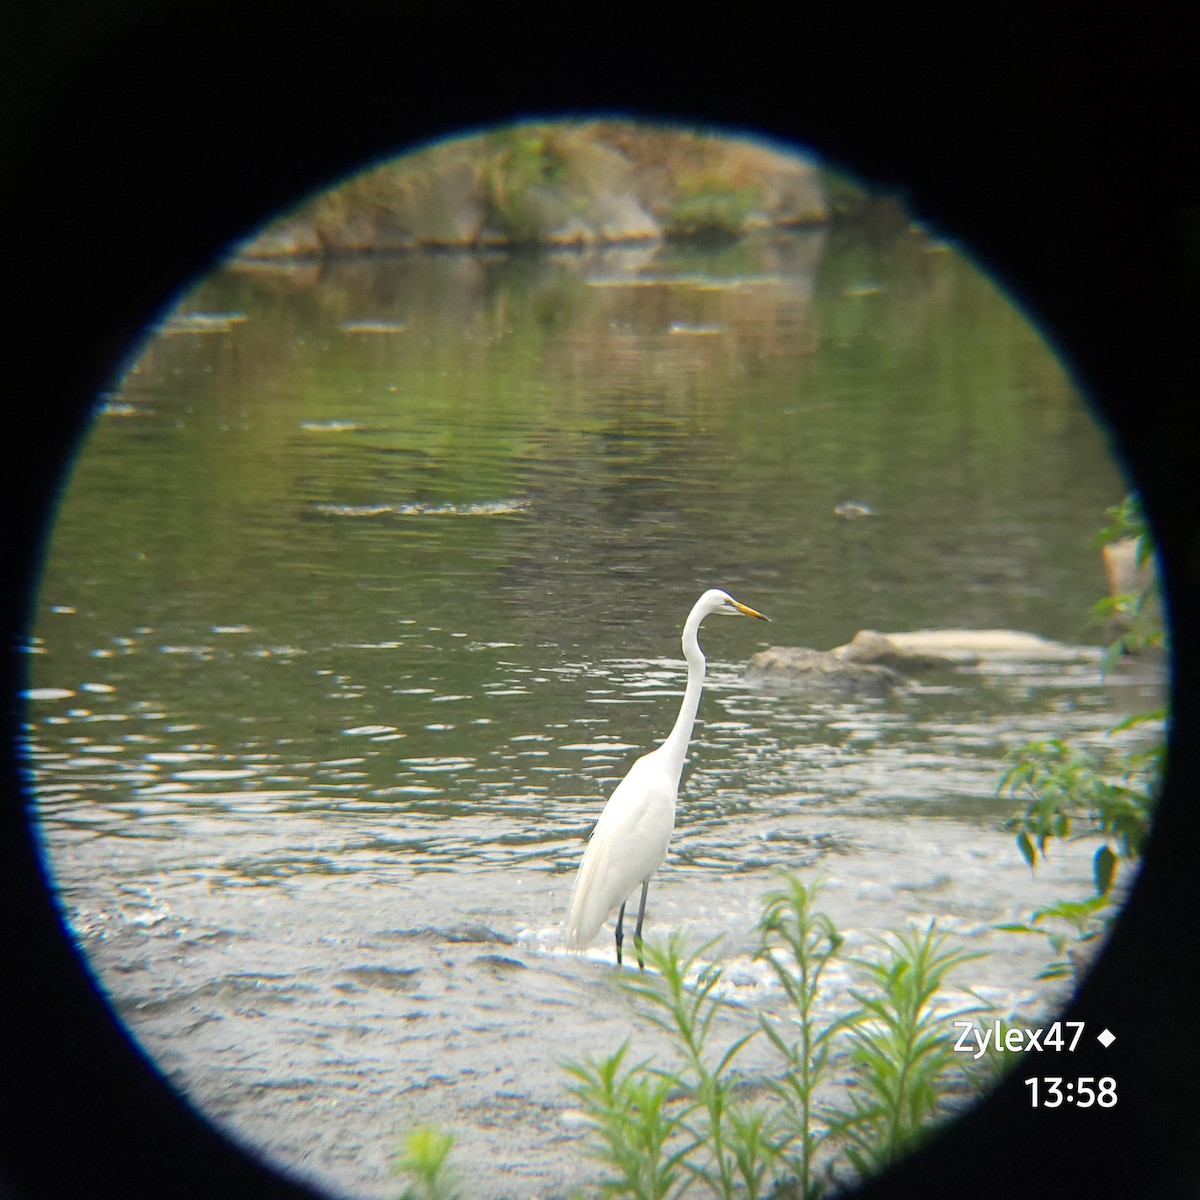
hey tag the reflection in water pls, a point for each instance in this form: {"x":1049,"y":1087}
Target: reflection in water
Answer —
{"x":367,"y":589}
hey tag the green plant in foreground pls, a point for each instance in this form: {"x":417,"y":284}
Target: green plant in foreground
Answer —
{"x":423,"y":1156}
{"x":665,"y":1130}
{"x":798,"y":944}
{"x":899,"y":1043}
{"x":727,"y":1140}
{"x":627,"y":1110}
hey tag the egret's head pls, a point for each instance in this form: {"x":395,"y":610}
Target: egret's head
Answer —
{"x":717,"y":601}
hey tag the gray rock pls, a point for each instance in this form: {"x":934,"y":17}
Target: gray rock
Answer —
{"x":961,"y":647}
{"x":801,"y":669}
{"x":875,"y":664}
{"x":868,"y":647}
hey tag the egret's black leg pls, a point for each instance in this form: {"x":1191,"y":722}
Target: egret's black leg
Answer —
{"x":637,"y":933}
{"x":620,"y":934}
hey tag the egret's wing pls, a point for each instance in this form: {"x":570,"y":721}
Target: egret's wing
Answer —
{"x":627,"y":846}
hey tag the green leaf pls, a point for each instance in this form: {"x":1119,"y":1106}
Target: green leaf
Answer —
{"x":1131,"y":722}
{"x":1025,"y":845}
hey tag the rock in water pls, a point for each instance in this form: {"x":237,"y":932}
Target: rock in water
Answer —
{"x":799,"y":668}
{"x":880,"y":649}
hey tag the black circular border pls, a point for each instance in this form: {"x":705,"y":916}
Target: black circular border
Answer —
{"x":1054,"y":143}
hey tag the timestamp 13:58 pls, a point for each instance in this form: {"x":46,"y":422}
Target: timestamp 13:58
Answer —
{"x":1053,"y":1090}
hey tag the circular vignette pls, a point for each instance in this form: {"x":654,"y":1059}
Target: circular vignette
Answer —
{"x":142,"y":140}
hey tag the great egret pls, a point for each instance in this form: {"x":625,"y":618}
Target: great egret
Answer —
{"x":630,"y":840}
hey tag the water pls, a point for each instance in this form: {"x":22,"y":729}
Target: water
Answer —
{"x":367,"y":587}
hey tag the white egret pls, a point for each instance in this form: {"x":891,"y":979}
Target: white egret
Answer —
{"x":630,"y":840}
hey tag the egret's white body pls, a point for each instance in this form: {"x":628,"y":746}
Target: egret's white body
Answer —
{"x":631,"y":837}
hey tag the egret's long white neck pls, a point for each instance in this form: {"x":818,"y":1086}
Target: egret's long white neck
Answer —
{"x":674,"y":749}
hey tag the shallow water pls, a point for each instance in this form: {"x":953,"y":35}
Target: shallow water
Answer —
{"x":366,"y":589}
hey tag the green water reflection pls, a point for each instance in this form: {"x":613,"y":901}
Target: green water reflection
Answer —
{"x":434,"y":496}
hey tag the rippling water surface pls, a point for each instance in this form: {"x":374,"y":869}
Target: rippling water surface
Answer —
{"x":367,"y":587}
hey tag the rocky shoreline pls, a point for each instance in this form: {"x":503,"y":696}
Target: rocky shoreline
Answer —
{"x":558,"y":184}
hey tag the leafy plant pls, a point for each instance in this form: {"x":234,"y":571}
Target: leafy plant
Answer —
{"x":899,"y":1044}
{"x":627,"y":1111}
{"x":728,"y":1142}
{"x":1110,"y":792}
{"x":1069,"y":925}
{"x":665,"y":1130}
{"x":1064,"y":788}
{"x":798,"y":944}
{"x":423,"y":1156}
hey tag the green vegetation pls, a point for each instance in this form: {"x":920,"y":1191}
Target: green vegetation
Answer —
{"x":1070,"y":926}
{"x":1067,"y":791}
{"x":1136,"y":610}
{"x":423,"y":1157}
{"x":662,"y":1130}
{"x":799,"y":944}
{"x":720,"y":1139}
{"x":1065,"y":788}
{"x":533,"y":178}
{"x":710,"y":209}
{"x":899,"y":1043}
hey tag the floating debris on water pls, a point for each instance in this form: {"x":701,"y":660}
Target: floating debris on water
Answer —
{"x":353,"y":510}
{"x":331,"y":426}
{"x":374,"y":326}
{"x":852,"y":510}
{"x":480,"y":508}
{"x":682,"y":327}
{"x":203,"y":653}
{"x":198,"y":322}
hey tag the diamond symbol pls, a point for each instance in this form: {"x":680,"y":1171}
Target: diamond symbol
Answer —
{"x":1105,"y":1038}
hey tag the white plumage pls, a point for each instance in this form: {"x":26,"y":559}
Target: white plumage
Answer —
{"x":631,"y":837}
